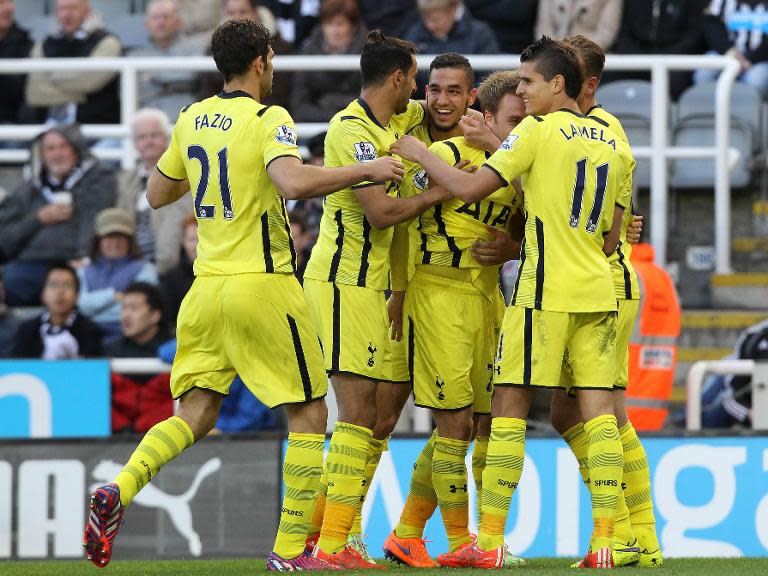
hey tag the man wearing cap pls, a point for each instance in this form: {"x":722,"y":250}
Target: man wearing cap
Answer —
{"x":116,"y":262}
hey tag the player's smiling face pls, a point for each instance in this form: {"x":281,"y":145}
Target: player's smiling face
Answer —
{"x":535,"y":90}
{"x":449,"y":94}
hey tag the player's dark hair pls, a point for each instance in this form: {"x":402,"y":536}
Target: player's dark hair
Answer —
{"x":591,"y":54}
{"x":495,"y":87}
{"x":151,"y":293}
{"x":381,"y":55}
{"x":554,"y":58}
{"x":237,"y":43}
{"x":453,"y":60}
{"x":67,"y":268}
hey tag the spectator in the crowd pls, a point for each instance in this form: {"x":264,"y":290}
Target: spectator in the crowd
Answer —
{"x":50,"y":216}
{"x":295,"y":18}
{"x":168,"y":90}
{"x":303,"y":240}
{"x":210,"y":83}
{"x":738,"y":30}
{"x":727,"y":400}
{"x":392,"y":17}
{"x":318,"y":94}
{"x":200,"y":16}
{"x":141,"y":401}
{"x":9,"y":324}
{"x":512,"y":21}
{"x":241,"y":411}
{"x":141,"y":323}
{"x":177,"y":281}
{"x":15,"y":42}
{"x":116,"y":262}
{"x":447,"y":26}
{"x":158,"y":232}
{"x":72,"y":95}
{"x":61,"y":332}
{"x":598,"y":20}
{"x":663,"y":27}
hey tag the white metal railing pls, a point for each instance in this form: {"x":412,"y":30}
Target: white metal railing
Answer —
{"x":695,"y":381}
{"x":658,"y":152}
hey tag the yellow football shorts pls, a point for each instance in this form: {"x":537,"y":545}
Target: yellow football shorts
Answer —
{"x":451,"y":331}
{"x":534,"y":345}
{"x":625,"y":324}
{"x":254,"y":325}
{"x":354,"y":328}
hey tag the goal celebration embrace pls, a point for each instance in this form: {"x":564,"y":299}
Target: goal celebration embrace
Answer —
{"x":425,"y":197}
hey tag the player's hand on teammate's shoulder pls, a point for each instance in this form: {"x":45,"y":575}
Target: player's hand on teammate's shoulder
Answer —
{"x":496,"y":251}
{"x":634,"y":229}
{"x":466,"y":165}
{"x":408,"y":147}
{"x":385,"y":168}
{"x":478,"y":134}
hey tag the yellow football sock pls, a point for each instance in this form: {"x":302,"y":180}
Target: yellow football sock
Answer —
{"x":479,"y":453}
{"x":606,"y":466}
{"x":449,"y":477}
{"x":302,"y":468}
{"x":637,"y":478}
{"x":503,"y":468}
{"x":317,"y":515}
{"x":346,"y":460}
{"x":622,"y":527}
{"x":375,"y":448}
{"x":422,"y":500}
{"x":161,"y":444}
{"x":578,"y":442}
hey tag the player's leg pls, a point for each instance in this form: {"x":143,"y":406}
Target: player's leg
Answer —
{"x":591,"y":353}
{"x":352,"y":323}
{"x":637,"y":487}
{"x":481,"y":433}
{"x":199,"y":381}
{"x":637,"y":478}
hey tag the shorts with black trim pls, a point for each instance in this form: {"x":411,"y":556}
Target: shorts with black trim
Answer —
{"x":254,"y":325}
{"x":353,"y":325}
{"x":536,"y":345}
{"x":625,"y":323}
{"x":451,"y":331}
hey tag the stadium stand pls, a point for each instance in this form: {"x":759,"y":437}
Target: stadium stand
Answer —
{"x":694,"y":125}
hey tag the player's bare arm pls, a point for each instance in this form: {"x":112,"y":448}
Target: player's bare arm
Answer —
{"x":296,"y":180}
{"x":162,"y":190}
{"x":468,"y":187}
{"x":611,"y":240}
{"x":383,"y":211}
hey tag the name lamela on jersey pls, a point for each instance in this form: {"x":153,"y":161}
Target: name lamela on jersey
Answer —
{"x":591,"y":132}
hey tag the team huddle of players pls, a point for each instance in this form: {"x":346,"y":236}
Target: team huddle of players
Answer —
{"x":424,"y":200}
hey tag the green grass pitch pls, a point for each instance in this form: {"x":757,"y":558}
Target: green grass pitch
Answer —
{"x":250,"y":567}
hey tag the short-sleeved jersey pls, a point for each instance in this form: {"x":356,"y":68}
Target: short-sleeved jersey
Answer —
{"x":573,"y":172}
{"x":349,"y":250}
{"x":448,"y":230}
{"x":223,"y":145}
{"x":624,"y":276}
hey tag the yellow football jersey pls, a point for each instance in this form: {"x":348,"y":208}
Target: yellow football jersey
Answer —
{"x":624,"y":276}
{"x":349,"y":250}
{"x":447,"y":231}
{"x":223,"y":145}
{"x":573,"y":172}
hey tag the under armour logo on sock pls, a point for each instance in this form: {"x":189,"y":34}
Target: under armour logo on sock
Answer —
{"x":454,"y":488}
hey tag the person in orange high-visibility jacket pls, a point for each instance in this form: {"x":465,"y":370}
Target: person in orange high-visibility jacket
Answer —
{"x":653,"y":347}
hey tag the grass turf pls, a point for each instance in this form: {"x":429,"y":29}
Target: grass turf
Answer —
{"x":249,"y":567}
